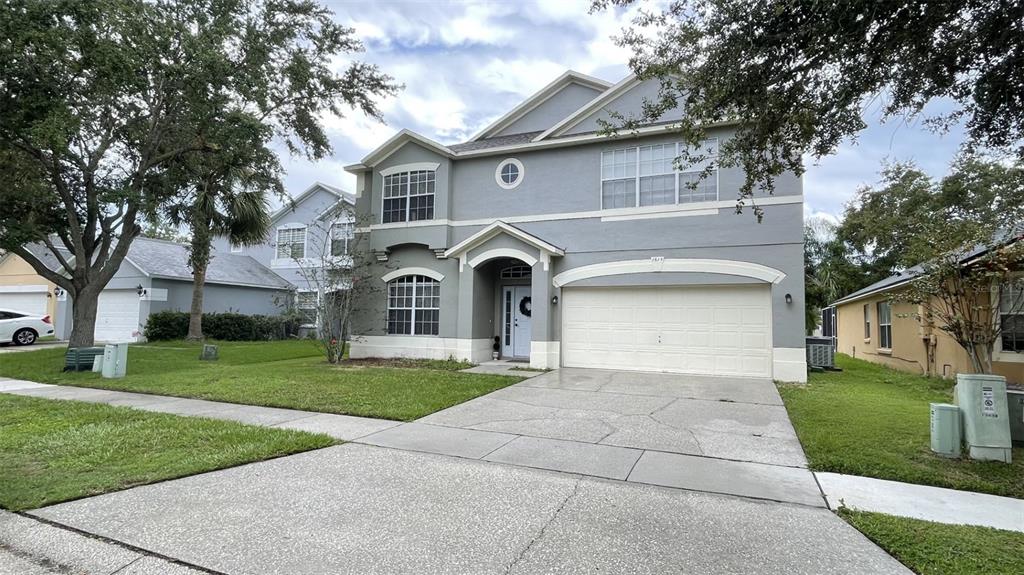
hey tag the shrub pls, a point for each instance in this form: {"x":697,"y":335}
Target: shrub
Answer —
{"x":226,"y":326}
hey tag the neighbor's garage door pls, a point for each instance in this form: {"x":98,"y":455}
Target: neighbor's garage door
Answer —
{"x":117,"y":318}
{"x":33,"y":303}
{"x":715,"y":330}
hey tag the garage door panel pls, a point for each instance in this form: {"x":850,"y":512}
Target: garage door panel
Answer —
{"x":724,"y":330}
{"x":117,"y":316}
{"x":33,"y":303}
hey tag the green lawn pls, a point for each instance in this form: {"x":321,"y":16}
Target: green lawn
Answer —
{"x":53,"y":450}
{"x":934,"y":548}
{"x":290,"y":374}
{"x":874,"y":421}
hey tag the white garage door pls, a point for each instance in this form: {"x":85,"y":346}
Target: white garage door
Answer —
{"x":714,"y":330}
{"x":28,"y":302}
{"x":117,"y":318}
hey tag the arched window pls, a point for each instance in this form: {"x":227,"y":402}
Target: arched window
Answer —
{"x":414,"y":305}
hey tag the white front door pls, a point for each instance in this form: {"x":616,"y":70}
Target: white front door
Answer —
{"x":516,"y":312}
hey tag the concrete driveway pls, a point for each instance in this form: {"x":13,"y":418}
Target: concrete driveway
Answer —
{"x":573,"y":471}
{"x":722,"y":435}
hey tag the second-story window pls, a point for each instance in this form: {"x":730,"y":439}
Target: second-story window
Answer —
{"x":341,"y":236}
{"x":291,"y":243}
{"x":647,"y":176}
{"x":408,"y":196}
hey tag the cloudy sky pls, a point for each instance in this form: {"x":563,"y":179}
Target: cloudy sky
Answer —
{"x":465,"y":64}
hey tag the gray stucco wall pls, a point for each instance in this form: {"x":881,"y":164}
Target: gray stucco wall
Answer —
{"x":629,"y":104}
{"x":221,"y":298}
{"x":565,"y":102}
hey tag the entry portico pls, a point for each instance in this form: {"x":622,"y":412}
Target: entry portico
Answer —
{"x":505,"y":291}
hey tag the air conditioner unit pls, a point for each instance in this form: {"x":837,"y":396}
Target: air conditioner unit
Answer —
{"x":820,"y":352}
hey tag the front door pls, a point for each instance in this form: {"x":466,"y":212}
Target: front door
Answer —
{"x":515,"y":341}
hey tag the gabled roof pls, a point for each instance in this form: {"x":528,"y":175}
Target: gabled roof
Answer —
{"x":623,"y":86}
{"x":904,"y":277}
{"x":290,"y":207}
{"x":162,"y":259}
{"x":393,"y":144}
{"x":542,"y":95}
{"x":500,"y":227}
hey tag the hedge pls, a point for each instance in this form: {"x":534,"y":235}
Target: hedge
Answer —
{"x":166,"y":325}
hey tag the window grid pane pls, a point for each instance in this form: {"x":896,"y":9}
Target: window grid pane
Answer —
{"x":647,"y":164}
{"x":1011,"y":317}
{"x":305,"y":303}
{"x":414,"y":304}
{"x":291,"y":243}
{"x":618,"y":194}
{"x":408,"y":196}
{"x":657,"y":190}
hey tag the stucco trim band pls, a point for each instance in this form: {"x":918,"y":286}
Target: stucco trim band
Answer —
{"x":413,"y":271}
{"x":655,"y":264}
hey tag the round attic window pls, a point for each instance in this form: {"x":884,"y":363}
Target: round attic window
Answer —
{"x":509,"y":173}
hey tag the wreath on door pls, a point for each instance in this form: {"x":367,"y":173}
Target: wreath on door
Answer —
{"x":524,"y":306}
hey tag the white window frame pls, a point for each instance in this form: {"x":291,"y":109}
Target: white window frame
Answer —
{"x":316,"y":306}
{"x":289,"y":227}
{"x":881,"y":339}
{"x":501,"y":165}
{"x":408,"y":195}
{"x":1001,"y":355}
{"x":348,"y":238}
{"x":867,"y":322}
{"x":675,"y":172}
{"x":412,"y":317}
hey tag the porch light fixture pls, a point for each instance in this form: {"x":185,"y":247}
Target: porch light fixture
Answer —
{"x":57,"y":292}
{"x":554,"y":300}
{"x":789,"y":298}
{"x":140,"y":290}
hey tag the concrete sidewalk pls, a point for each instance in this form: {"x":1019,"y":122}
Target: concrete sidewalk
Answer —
{"x":343,"y":427}
{"x":31,"y":547}
{"x":922,"y":502}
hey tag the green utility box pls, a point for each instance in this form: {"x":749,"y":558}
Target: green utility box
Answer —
{"x":946,"y":437}
{"x":81,"y":358}
{"x":986,"y":419}
{"x":1015,"y":399}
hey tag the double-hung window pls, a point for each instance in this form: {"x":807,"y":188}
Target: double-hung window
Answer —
{"x":647,"y":176}
{"x":1011,"y":317}
{"x":291,"y":243}
{"x":341,"y":236}
{"x":414,"y":306}
{"x":408,"y":196}
{"x":305,"y":304}
{"x":884,"y":325}
{"x":867,"y":321}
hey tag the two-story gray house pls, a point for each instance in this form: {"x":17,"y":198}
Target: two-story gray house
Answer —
{"x":572,"y":248}
{"x":317,"y":226}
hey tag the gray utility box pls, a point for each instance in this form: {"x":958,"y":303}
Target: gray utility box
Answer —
{"x":1015,"y":401}
{"x":946,"y":437}
{"x":986,"y":419}
{"x":115,"y":360}
{"x":820,"y":352}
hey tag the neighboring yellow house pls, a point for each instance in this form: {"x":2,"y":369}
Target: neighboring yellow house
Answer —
{"x":22,"y":289}
{"x":869,"y":327}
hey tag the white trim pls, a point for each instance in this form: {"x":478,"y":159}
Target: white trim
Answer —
{"x":305,"y":243}
{"x":154,"y":294}
{"x":408,"y":192}
{"x":789,"y":364}
{"x":289,"y":207}
{"x":545,"y":354}
{"x":24,"y":289}
{"x":395,"y":143}
{"x":236,"y":249}
{"x":655,"y":264}
{"x":434,"y":275}
{"x":543,"y":95}
{"x":659,"y":215}
{"x":413,"y":167}
{"x":556,"y":143}
{"x":419,"y":346}
{"x":498,"y":227}
{"x":590,"y":107}
{"x":497,"y":173}
{"x":502,"y":253}
{"x":644,"y":212}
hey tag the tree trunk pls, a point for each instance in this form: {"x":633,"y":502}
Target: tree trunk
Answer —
{"x":83,"y":313}
{"x":195,"y":318}
{"x":199,"y":259}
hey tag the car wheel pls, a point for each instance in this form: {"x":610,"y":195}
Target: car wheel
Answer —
{"x":24,"y":337}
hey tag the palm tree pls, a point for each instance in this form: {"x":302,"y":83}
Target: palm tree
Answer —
{"x":241,"y":215}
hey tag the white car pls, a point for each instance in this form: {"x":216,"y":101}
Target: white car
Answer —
{"x":21,"y":328}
